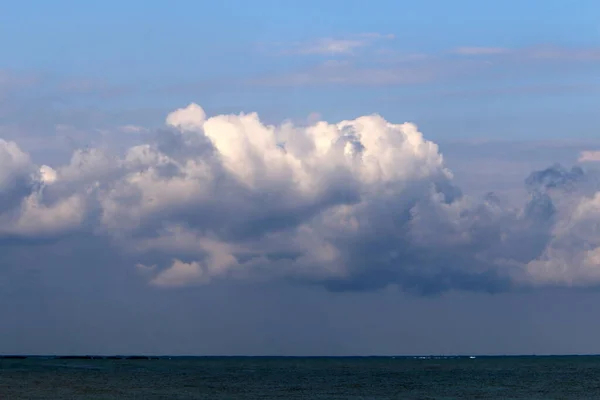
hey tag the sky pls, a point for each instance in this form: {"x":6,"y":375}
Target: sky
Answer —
{"x":299,"y":177}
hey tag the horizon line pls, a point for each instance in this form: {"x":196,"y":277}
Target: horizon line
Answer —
{"x":167,"y":356}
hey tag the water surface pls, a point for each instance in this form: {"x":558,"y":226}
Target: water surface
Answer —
{"x":302,"y":378}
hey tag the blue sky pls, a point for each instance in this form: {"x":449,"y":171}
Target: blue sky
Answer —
{"x":246,"y":55}
{"x":145,"y":207}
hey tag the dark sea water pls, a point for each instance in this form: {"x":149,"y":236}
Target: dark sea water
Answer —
{"x":302,"y":378}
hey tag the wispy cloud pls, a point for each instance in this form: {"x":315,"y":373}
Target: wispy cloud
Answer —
{"x":546,"y":89}
{"x":534,"y":53}
{"x":480,"y":50}
{"x":336,"y":72}
{"x":132,"y":129}
{"x":337,"y":46}
{"x":332,"y":46}
{"x":92,"y":87}
{"x":550,"y":53}
{"x":409,"y":68}
{"x":17,"y":80}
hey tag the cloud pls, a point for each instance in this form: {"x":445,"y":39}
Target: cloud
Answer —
{"x":533,"y":53}
{"x":179,"y":274}
{"x":91,"y":87}
{"x":132,"y":129}
{"x":24,"y":209}
{"x":589,"y":156}
{"x":553,"y":177}
{"x":474,"y":51}
{"x":189,"y":118}
{"x":332,"y":46}
{"x":355,"y":205}
{"x":11,"y":80}
{"x":558,"y":54}
{"x":338,"y":46}
{"x":387,"y":66}
{"x":408,"y":72}
{"x":545,"y":89}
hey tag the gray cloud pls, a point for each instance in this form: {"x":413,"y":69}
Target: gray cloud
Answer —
{"x":553,"y":177}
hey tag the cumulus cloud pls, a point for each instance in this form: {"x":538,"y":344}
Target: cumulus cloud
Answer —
{"x":555,"y":176}
{"x":24,"y":209}
{"x":180,"y":273}
{"x":355,"y":205}
{"x":15,"y":165}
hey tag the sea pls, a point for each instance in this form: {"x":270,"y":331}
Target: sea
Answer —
{"x":531,"y":377}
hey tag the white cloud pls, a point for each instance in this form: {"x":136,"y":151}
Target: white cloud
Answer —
{"x":14,"y":164}
{"x":589,"y":156}
{"x":48,"y":174}
{"x":180,"y":274}
{"x":88,"y":165}
{"x":23,"y":209}
{"x":572,"y":257}
{"x":38,"y":219}
{"x":353,"y":205}
{"x":333,"y":46}
{"x":189,"y":118}
{"x":339,"y":46}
